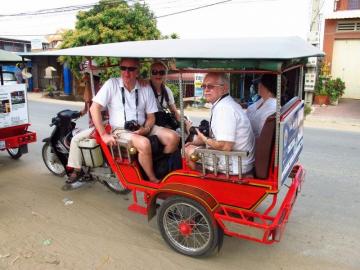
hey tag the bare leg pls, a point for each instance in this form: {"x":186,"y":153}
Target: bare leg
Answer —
{"x":142,"y":144}
{"x":169,"y":138}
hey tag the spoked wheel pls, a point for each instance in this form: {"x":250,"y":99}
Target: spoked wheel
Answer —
{"x":188,"y":228}
{"x":51,"y":160}
{"x":115,"y":186}
{"x":15,"y":153}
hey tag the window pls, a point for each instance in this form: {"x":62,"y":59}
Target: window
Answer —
{"x":354,"y":4}
{"x":348,"y":26}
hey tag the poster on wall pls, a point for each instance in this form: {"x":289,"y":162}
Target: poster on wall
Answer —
{"x":198,"y":91}
{"x":291,"y":141}
{"x":13,"y":105}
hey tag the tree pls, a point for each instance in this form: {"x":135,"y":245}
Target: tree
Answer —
{"x":110,"y":21}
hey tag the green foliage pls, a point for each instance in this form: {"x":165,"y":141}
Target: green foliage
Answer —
{"x":335,"y":88}
{"x":50,"y":88}
{"x":320,"y":89}
{"x":176,"y":92}
{"x":326,"y":86}
{"x":110,"y":21}
{"x":307,"y":109}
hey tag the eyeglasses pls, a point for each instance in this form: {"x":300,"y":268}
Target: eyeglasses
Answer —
{"x":156,"y":72}
{"x":210,"y":86}
{"x":130,"y":69}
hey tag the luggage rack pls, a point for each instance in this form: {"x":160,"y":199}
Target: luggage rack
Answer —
{"x":204,"y":154}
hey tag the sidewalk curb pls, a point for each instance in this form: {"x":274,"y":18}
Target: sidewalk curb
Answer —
{"x":332,"y":123}
{"x":40,"y":98}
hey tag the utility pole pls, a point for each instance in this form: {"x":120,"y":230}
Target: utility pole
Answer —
{"x":314,"y":39}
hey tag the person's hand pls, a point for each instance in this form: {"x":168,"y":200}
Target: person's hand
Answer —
{"x":109,"y":139}
{"x":188,"y":125}
{"x":142,"y":131}
{"x":201,"y":135}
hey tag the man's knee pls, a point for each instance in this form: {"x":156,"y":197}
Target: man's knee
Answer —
{"x":141,"y":143}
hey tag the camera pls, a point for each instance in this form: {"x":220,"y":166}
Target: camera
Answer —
{"x":204,"y":128}
{"x":131,"y":125}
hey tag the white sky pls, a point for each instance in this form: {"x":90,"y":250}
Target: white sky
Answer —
{"x":237,"y":18}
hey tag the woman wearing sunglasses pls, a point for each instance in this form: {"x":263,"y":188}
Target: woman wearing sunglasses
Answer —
{"x":163,"y":94}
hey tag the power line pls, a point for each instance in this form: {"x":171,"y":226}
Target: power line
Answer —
{"x":192,"y":9}
{"x":165,"y":15}
{"x":58,"y":10}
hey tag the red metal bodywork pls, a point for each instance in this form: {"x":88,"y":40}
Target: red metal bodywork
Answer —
{"x":236,"y":205}
{"x":16,"y":136}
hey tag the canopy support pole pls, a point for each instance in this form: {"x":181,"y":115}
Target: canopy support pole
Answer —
{"x":182,"y":129}
{"x":278,"y":107}
{"x":301,"y":82}
{"x":91,"y":77}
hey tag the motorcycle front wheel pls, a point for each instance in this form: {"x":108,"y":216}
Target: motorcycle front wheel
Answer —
{"x":52,"y":161}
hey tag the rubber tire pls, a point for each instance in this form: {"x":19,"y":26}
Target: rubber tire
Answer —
{"x":15,"y":155}
{"x":216,"y":233}
{"x":123,"y":191}
{"x":43,"y":152}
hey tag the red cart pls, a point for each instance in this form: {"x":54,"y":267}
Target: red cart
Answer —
{"x":14,"y":119}
{"x":195,"y":208}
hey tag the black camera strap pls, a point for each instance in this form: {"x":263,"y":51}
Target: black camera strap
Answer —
{"x":223,"y":96}
{"x":164,"y":94}
{"x":136,"y":102}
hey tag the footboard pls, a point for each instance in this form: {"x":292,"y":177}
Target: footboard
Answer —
{"x":262,"y":226}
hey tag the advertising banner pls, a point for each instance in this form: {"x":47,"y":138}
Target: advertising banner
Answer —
{"x":199,"y":77}
{"x":13,"y":105}
{"x":291,"y":141}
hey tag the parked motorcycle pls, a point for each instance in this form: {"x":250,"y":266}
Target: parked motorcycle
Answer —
{"x":55,"y":153}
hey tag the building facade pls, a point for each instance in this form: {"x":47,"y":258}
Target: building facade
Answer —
{"x":342,"y":44}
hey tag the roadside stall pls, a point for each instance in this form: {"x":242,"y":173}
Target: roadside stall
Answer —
{"x":197,"y":207}
{"x":14,"y":116}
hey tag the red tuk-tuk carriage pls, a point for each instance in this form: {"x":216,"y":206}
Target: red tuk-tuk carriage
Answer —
{"x":14,"y":119}
{"x":196,"y":208}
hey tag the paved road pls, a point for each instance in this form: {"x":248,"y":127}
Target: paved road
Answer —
{"x":37,"y":231}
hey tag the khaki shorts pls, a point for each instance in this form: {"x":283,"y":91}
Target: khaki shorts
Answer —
{"x":125,"y":135}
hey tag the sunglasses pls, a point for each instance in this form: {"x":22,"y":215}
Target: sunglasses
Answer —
{"x":156,"y":72}
{"x":210,"y":86}
{"x":130,"y":69}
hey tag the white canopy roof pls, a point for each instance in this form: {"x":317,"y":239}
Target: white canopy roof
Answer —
{"x":280,"y":48}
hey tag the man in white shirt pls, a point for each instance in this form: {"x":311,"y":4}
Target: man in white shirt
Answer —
{"x":127,"y":101}
{"x":259,"y":111}
{"x":229,"y":125}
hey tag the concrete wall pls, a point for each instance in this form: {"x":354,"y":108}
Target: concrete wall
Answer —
{"x":330,"y":35}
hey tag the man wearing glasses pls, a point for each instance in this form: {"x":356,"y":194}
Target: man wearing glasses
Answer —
{"x":230,"y":128}
{"x":131,"y":114}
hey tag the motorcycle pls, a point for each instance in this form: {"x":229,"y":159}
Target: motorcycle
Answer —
{"x":55,"y":154}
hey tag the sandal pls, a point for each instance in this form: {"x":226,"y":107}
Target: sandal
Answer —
{"x":74,"y":177}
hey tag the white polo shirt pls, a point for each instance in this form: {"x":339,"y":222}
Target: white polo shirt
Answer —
{"x":230,"y":123}
{"x":258,"y":112}
{"x":110,"y":97}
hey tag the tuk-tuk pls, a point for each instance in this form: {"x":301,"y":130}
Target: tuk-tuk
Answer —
{"x":14,"y":118}
{"x":195,"y":208}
